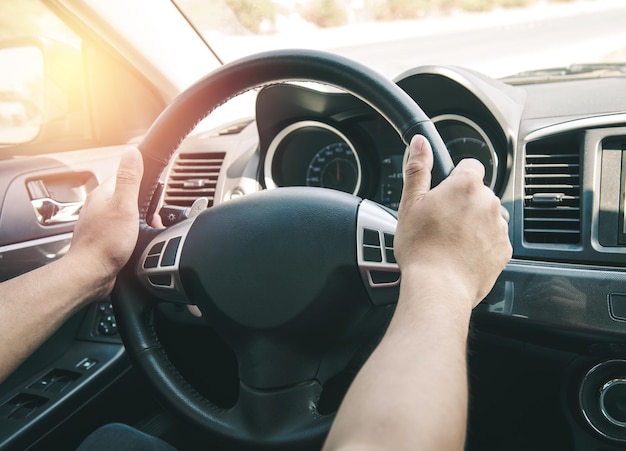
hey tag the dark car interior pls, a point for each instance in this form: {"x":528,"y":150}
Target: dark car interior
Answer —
{"x":547,"y":347}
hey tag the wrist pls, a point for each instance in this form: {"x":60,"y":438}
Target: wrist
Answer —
{"x":89,"y":279}
{"x":436,"y":289}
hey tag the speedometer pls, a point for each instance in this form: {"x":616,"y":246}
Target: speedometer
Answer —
{"x":335,"y":166}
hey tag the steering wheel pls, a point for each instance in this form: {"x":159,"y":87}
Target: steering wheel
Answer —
{"x":292,"y":279}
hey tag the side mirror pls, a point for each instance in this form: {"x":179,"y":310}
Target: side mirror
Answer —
{"x":57,"y":96}
{"x":21,"y":93}
{"x":41,"y":92}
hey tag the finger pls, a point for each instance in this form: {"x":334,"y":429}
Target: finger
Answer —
{"x":470,"y":167}
{"x":156,"y":222}
{"x":417,"y":172}
{"x":128,"y":178}
{"x":194,"y":310}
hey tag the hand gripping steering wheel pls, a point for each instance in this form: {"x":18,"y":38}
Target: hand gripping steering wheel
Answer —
{"x":291,"y":279}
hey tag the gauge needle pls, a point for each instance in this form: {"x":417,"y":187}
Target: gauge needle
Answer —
{"x":337,"y":169}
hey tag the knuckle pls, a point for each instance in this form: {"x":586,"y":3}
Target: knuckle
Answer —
{"x":469,"y":183}
{"x":471,"y":165}
{"x":413,"y":168}
{"x":126,"y":177}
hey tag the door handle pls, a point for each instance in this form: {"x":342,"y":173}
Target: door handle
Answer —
{"x":48,"y":210}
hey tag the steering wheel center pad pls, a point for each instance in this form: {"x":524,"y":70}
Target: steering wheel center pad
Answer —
{"x":277,"y":267}
{"x":263,"y":260}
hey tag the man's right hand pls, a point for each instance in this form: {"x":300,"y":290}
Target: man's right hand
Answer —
{"x":455,"y":230}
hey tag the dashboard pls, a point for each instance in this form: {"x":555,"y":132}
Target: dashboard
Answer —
{"x":554,"y":153}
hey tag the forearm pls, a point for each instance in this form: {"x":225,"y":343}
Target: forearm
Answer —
{"x":35,"y":304}
{"x":412,"y":392}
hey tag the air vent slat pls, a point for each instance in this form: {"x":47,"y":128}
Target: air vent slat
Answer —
{"x":546,"y":233}
{"x":181,"y":175}
{"x":552,"y":191}
{"x":193,"y":175}
{"x":187,"y":192}
{"x":563,"y":210}
{"x":555,"y":186}
{"x":203,"y":169}
{"x":552,"y":220}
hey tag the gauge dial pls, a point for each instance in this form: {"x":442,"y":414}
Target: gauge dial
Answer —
{"x":312,"y":153}
{"x":466,"y":139}
{"x":335,"y":166}
{"x":466,"y":147}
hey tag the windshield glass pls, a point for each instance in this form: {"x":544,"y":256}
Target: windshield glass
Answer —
{"x":496,"y":37}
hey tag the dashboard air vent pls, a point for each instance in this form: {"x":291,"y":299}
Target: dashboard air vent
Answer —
{"x":552,"y":191}
{"x":193,"y":175}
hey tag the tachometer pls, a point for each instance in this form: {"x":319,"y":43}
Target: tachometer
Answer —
{"x":464,"y":138}
{"x":467,"y":147}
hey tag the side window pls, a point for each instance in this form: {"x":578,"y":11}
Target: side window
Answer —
{"x":41,"y":92}
{"x":61,"y":91}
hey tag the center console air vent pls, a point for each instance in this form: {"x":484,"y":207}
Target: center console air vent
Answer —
{"x":552,"y":191}
{"x":193,"y":175}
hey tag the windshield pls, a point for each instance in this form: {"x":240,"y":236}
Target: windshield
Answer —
{"x":496,"y":37}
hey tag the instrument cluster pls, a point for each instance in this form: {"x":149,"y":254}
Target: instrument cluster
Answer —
{"x":317,"y":153}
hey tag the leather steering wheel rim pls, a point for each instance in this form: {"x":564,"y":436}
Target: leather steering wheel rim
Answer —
{"x":134,"y":314}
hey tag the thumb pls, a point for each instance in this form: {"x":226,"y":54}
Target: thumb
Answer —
{"x":128,"y":178}
{"x":417,"y":170}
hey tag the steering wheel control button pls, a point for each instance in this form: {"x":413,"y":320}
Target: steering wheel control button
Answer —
{"x":372,"y":254}
{"x":171,"y":250}
{"x":154,"y":254}
{"x":157,"y":248}
{"x":152,"y":261}
{"x":161,"y":280}
{"x":389,"y":255}
{"x":371,"y":237}
{"x":384,"y":277}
